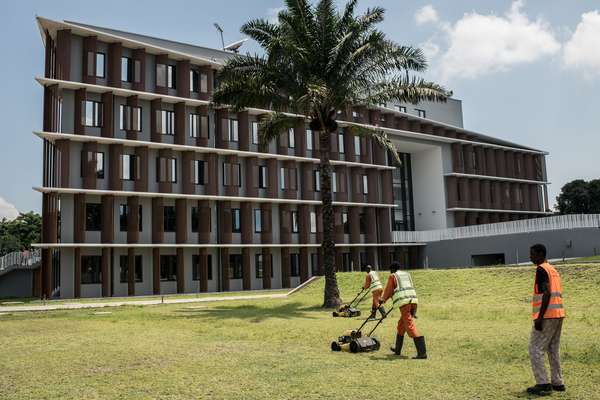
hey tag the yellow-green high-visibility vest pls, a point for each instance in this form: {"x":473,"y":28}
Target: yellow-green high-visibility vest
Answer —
{"x":375,"y":282}
{"x":404,"y":292}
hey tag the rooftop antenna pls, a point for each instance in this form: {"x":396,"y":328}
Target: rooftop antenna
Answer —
{"x":221,"y":32}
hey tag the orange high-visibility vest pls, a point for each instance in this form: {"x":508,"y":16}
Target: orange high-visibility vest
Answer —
{"x":555,"y":306}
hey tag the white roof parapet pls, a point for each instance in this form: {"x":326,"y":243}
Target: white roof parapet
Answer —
{"x":557,"y":222}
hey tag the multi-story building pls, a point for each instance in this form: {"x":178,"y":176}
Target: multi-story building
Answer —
{"x":149,"y":190}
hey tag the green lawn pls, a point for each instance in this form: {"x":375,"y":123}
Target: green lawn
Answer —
{"x":476,"y":322}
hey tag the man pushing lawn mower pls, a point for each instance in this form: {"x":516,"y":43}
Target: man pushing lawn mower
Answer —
{"x":401,"y":289}
{"x":373,"y":284}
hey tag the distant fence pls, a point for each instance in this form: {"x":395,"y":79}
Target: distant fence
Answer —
{"x":558,"y":222}
{"x":28,"y":259}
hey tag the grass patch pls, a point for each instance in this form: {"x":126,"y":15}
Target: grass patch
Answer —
{"x":476,"y":322}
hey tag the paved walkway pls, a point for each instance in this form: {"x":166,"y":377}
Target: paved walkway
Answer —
{"x":154,"y":301}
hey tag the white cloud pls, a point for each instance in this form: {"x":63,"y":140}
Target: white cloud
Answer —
{"x":481,"y":44}
{"x":272,"y":14}
{"x":430,"y":49}
{"x":426,"y":14}
{"x":582,"y":51}
{"x":7,"y":210}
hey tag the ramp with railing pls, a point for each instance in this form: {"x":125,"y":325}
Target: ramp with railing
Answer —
{"x":559,"y":222}
{"x":20,"y":260}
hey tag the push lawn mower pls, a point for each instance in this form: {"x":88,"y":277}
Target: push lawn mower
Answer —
{"x":349,"y":310}
{"x":355,"y":342}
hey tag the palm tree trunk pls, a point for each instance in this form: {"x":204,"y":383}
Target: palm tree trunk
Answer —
{"x":332,"y":293}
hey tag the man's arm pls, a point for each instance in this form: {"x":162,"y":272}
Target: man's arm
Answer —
{"x":367,"y":282}
{"x":544,"y":288}
{"x":389,"y":289}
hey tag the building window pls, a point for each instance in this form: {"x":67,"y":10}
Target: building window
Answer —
{"x":171,"y":77}
{"x":167,"y":121}
{"x":198,"y":126}
{"x":341,"y":142}
{"x":288,"y":178}
{"x":420,"y":113}
{"x":295,"y":264}
{"x":166,"y":170}
{"x":231,"y":174}
{"x":87,"y":160}
{"x":100,"y":57}
{"x":126,"y":69}
{"x":400,"y":108}
{"x":254,"y":132}
{"x":124,"y":273}
{"x":91,"y":270}
{"x":309,"y":139}
{"x":161,"y":75}
{"x":203,"y":83}
{"x":314,"y":263}
{"x":169,"y":219}
{"x":354,"y":114}
{"x":345,"y":223}
{"x":236,"y":220}
{"x":365,"y":184}
{"x":130,"y":118}
{"x":130,"y":167}
{"x":198,"y":169}
{"x":233,"y":130}
{"x":313,"y":222}
{"x":362,"y":223}
{"x":93,"y":217}
{"x":262,"y":177}
{"x":195,"y":219}
{"x":124,"y":216}
{"x":92,"y":113}
{"x":357,"y":145}
{"x":194,"y":125}
{"x":168,"y":267}
{"x":257,"y":220}
{"x":294,"y":221}
{"x":317,"y":181}
{"x":258,"y":263}
{"x":235,"y":266}
{"x":193,"y":81}
{"x":334,"y":186}
{"x":291,"y":138}
{"x":196,"y":267}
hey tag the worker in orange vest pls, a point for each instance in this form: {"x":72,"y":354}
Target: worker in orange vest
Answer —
{"x":548,"y":313}
{"x":373,"y":283}
{"x":401,"y":289}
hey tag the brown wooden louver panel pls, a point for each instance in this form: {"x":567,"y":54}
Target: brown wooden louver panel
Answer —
{"x":79,"y":115}
{"x":89,"y":159}
{"x":90,"y":44}
{"x":139,"y":70}
{"x":247,"y":219}
{"x":181,"y":221}
{"x":225,"y":268}
{"x":204,"y":221}
{"x":158,"y":226}
{"x":285,"y":267}
{"x":115,"y":52}
{"x":133,"y":219}
{"x":115,"y":167}
{"x":183,"y":78}
{"x":63,"y":55}
{"x":141,"y":183}
{"x":79,"y":218}
{"x":244,"y":130}
{"x":267,"y":267}
{"x":162,"y":60}
{"x":246,"y":266}
{"x":202,"y":139}
{"x":156,"y":270}
{"x":266,"y":236}
{"x":180,"y":133}
{"x":107,"y":115}
{"x":155,"y":121}
{"x":180,"y":270}
{"x":108,"y":211}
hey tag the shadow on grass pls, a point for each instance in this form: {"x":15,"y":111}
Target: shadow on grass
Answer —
{"x":251,"y":312}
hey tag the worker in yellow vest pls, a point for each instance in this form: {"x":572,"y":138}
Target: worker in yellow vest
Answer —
{"x":402,"y":291}
{"x":547,"y":314}
{"x":373,"y":284}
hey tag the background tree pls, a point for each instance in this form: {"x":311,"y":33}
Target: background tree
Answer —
{"x":318,"y":60}
{"x":579,"y":197}
{"x":20,"y":233}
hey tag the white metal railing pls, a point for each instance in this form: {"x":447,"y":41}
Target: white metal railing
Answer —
{"x":574,"y":221}
{"x":27,"y":259}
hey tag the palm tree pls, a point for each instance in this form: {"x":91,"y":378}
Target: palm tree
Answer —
{"x":318,"y":60}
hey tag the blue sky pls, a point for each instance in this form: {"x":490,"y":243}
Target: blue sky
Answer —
{"x":526,"y":71}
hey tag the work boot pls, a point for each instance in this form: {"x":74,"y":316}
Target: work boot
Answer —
{"x":558,"y":388}
{"x":540,"y":390}
{"x":382,"y":311}
{"x":399,"y":341}
{"x":373,"y":313}
{"x":421,"y":349}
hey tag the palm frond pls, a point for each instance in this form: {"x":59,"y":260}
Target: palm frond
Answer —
{"x":407,"y":89}
{"x":379,"y":136}
{"x":271,"y":126}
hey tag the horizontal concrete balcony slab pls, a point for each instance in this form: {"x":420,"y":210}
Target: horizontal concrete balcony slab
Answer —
{"x":123,"y":193}
{"x":209,"y":245}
